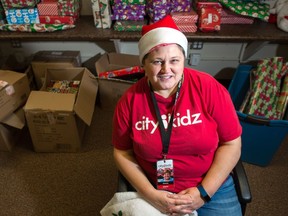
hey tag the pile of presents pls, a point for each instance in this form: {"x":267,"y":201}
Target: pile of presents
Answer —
{"x":207,"y":15}
{"x":268,"y":93}
{"x":38,"y":13}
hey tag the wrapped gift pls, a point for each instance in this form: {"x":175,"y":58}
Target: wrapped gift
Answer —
{"x":188,"y":28}
{"x":254,"y":9}
{"x":10,"y":4}
{"x":209,"y":16}
{"x":138,"y":2}
{"x":128,"y":11}
{"x":57,"y":20}
{"x":229,"y":17}
{"x":158,"y":9}
{"x":283,"y":98}
{"x":69,"y":8}
{"x":186,"y":21}
{"x":266,"y":88}
{"x":35,"y":27}
{"x":185,"y":17}
{"x":22,"y":16}
{"x":128,"y":25}
{"x":48,"y":8}
{"x":121,"y":72}
{"x":101,"y":13}
{"x":180,"y":5}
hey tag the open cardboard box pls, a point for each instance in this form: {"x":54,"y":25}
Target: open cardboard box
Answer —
{"x":57,"y":121}
{"x":44,"y":60}
{"x":10,"y":128}
{"x":111,"y":89}
{"x":14,"y":91}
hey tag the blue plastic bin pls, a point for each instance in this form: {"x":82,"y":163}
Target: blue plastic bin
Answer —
{"x":261,"y":137}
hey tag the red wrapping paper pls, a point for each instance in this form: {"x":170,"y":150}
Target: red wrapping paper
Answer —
{"x":209,"y":16}
{"x":48,"y":8}
{"x":57,"y":20}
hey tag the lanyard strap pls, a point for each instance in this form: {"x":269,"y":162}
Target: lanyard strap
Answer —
{"x":165,"y":134}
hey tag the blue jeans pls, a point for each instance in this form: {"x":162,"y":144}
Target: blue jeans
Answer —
{"x":223,"y":203}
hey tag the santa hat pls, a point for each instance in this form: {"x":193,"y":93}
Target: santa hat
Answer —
{"x":165,"y":31}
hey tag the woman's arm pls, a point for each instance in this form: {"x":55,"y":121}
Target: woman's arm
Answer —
{"x":226,"y":158}
{"x":130,"y":169}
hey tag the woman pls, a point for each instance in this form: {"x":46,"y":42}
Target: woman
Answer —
{"x":201,"y":144}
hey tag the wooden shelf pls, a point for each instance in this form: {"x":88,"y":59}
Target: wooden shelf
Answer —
{"x":86,"y":31}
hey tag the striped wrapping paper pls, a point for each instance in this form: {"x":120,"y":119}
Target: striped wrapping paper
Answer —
{"x":236,"y":20}
{"x":48,"y":8}
{"x":185,"y":17}
{"x":192,"y":27}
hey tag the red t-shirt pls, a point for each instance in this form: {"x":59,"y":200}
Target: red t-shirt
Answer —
{"x":204,"y":115}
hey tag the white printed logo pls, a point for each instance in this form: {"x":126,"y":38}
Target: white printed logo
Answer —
{"x":150,"y":125}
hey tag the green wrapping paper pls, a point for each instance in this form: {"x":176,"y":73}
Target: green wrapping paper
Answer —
{"x":35,"y":27}
{"x":129,"y":1}
{"x":283,"y":98}
{"x":266,"y":88}
{"x":248,"y":8}
{"x":128,"y":25}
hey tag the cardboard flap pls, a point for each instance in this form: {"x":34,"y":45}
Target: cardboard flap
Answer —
{"x":10,"y":76}
{"x":86,"y":98}
{"x":41,"y":100}
{"x":16,"y":120}
{"x":115,"y":61}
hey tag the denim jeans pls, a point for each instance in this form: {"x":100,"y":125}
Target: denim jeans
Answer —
{"x":223,"y":203}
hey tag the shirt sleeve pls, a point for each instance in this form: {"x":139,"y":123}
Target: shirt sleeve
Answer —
{"x":222,"y":109}
{"x":121,"y":128}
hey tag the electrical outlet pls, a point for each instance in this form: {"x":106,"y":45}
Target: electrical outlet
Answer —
{"x":16,"y":44}
{"x":194,"y":59}
{"x":196,"y":45}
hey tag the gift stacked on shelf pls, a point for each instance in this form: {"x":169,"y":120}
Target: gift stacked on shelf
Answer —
{"x":58,"y":11}
{"x":101,"y":13}
{"x":40,"y":16}
{"x":21,"y":12}
{"x":230,"y":17}
{"x":254,"y":9}
{"x":129,"y":14}
{"x":157,"y":9}
{"x":209,"y":15}
{"x":268,"y":95}
{"x":186,"y":21}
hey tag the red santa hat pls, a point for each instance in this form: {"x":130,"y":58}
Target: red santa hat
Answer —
{"x":165,"y":31}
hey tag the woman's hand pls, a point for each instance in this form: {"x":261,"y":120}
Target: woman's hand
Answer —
{"x":172,"y":204}
{"x":185,"y":202}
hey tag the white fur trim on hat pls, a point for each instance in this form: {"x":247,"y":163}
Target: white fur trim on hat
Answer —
{"x":159,"y":36}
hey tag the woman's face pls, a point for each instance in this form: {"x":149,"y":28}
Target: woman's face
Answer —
{"x":164,"y":68}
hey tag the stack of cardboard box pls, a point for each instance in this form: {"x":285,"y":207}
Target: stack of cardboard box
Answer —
{"x":14,"y":91}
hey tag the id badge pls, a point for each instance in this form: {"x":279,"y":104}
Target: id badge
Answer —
{"x":165,"y":174}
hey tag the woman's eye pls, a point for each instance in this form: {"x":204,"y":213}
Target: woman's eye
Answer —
{"x":175,"y":61}
{"x":157,"y":62}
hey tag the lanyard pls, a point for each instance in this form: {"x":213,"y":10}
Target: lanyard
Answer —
{"x":165,"y":134}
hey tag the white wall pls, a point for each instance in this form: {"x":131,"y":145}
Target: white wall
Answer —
{"x":213,"y":57}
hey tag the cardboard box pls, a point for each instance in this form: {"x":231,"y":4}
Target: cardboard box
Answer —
{"x":111,"y":89}
{"x":10,"y":129}
{"x":14,"y":91}
{"x":57,"y":121}
{"x":44,"y":60}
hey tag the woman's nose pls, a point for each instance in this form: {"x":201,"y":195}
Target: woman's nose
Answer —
{"x":165,"y":68}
